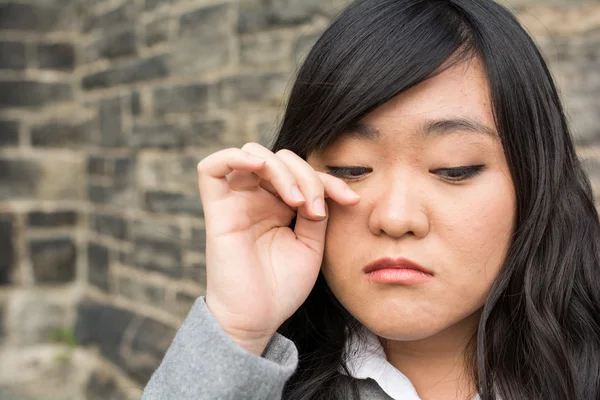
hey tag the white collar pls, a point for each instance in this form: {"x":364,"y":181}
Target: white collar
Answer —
{"x":367,"y":359}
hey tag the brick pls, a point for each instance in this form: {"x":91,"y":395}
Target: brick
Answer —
{"x":9,"y":133}
{"x":157,"y":31}
{"x":33,"y":94}
{"x":174,"y":99}
{"x":109,"y":225}
{"x":7,"y":249}
{"x":58,"y":56}
{"x":216,"y":55}
{"x":109,"y":21}
{"x":40,"y":179}
{"x":162,"y":136}
{"x":133,"y":72}
{"x":59,"y":135}
{"x":98,"y":266}
{"x":28,"y":17}
{"x":207,"y":134}
{"x":121,"y":194}
{"x":102,"y":325}
{"x":142,"y":293}
{"x":136,"y":103}
{"x":198,"y":240}
{"x":159,"y":256}
{"x":169,"y":169}
{"x":125,"y":169}
{"x":152,"y":4}
{"x":148,"y":347}
{"x":53,"y":260}
{"x":52,"y":219}
{"x":12,"y":55}
{"x":265,"y":89}
{"x":99,"y":166}
{"x":265,"y":50}
{"x":173,"y":203}
{"x":206,"y":21}
{"x":109,"y":117}
{"x":155,"y":229}
{"x":112,"y":46}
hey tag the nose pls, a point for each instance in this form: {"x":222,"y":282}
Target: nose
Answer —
{"x":399,"y":208}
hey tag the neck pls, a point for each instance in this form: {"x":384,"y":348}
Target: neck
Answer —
{"x":437,"y":366}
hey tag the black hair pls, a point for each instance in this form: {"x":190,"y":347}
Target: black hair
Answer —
{"x":539,"y":332}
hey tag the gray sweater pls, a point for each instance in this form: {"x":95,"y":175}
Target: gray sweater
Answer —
{"x":204,"y":363}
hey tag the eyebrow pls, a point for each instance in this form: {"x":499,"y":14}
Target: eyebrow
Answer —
{"x":432,"y":128}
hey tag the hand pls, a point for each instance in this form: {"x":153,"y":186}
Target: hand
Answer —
{"x":259,"y":271}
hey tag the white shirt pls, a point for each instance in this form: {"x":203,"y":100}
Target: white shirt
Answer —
{"x":368,"y":360}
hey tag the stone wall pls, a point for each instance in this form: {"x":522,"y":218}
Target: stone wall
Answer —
{"x":106,"y":107}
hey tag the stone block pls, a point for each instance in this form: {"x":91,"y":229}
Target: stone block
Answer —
{"x":125,"y":169}
{"x":157,"y":31}
{"x":51,"y":219}
{"x":158,"y":256}
{"x":136,"y":103}
{"x":260,"y":15}
{"x":145,"y":293}
{"x":28,"y":17}
{"x":210,"y":133}
{"x":173,"y":203}
{"x":102,"y":325}
{"x":33,"y":317}
{"x":100,"y":166}
{"x":152,"y":4}
{"x":23,"y":93}
{"x":172,"y":169}
{"x":267,"y":50}
{"x":192,"y":56}
{"x":153,"y":135}
{"x":109,"y":117}
{"x":198,"y":240}
{"x":117,"y":194}
{"x":207,"y":21}
{"x":112,"y":46}
{"x":131,"y":72}
{"x":98,"y":266}
{"x":109,"y":225}
{"x":155,"y":229}
{"x":9,"y":133}
{"x":60,"y":135}
{"x":184,"y":302}
{"x":12,"y":55}
{"x":196,"y":272}
{"x":181,"y":99}
{"x":148,"y":347}
{"x":123,"y":15}
{"x":54,"y":260}
{"x":7,"y":248}
{"x":19,"y":178}
{"x":267,"y":89}
{"x":59,"y":56}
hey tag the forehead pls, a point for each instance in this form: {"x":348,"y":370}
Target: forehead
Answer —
{"x":456,"y":100}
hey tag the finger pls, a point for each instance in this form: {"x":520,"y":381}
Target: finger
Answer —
{"x":213,"y":170}
{"x":312,"y":232}
{"x":243,"y":180}
{"x":338,"y":190}
{"x":278,"y":174}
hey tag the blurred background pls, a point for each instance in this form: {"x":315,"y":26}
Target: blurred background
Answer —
{"x":106,"y":107}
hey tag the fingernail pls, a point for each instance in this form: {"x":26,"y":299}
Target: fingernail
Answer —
{"x":297,"y":194}
{"x":319,"y":207}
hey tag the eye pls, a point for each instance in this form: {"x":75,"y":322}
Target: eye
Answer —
{"x":348,"y":172}
{"x":460,"y":173}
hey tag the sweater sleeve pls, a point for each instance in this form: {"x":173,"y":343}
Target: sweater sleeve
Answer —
{"x":203,"y":362}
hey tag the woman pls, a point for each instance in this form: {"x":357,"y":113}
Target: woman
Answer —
{"x":457,"y":255}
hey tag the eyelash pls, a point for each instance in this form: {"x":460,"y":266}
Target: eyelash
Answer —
{"x":464,"y":173}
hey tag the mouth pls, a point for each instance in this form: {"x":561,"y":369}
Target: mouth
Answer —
{"x":399,"y":271}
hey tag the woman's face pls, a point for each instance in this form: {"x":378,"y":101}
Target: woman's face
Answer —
{"x":457,"y":226}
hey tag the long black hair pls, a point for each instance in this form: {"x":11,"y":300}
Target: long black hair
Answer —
{"x":539,"y":332}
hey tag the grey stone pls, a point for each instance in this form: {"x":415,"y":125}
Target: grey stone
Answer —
{"x":207,"y":133}
{"x":267,"y":89}
{"x":170,"y":170}
{"x":59,"y":135}
{"x":24,"y":93}
{"x":152,"y":4}
{"x":136,"y":103}
{"x":184,"y":302}
{"x":157,"y":31}
{"x":112,"y":46}
{"x":198,"y":241}
{"x":7,"y":248}
{"x":109,"y":115}
{"x":197,"y":273}
{"x":53,"y":260}
{"x":124,"y":169}
{"x":102,"y":325}
{"x":132,"y":72}
{"x":271,"y":50}
{"x":172,"y":99}
{"x":98,"y":265}
{"x":12,"y":55}
{"x":207,"y":21}
{"x":109,"y":21}
{"x":9,"y":133}
{"x":162,"y":136}
{"x":155,"y":229}
{"x":173,"y":203}
{"x":194,"y":55}
{"x":109,"y":225}
{"x":304,"y":45}
{"x":148,"y":346}
{"x":55,"y":219}
{"x":103,"y":386}
{"x":18,"y":178}
{"x":28,"y":17}
{"x":100,"y":166}
{"x":118,"y":194}
{"x":142,"y":293}
{"x":59,"y":56}
{"x":158,"y":256}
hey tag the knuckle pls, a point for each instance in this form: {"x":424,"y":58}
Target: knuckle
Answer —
{"x":251,"y":145}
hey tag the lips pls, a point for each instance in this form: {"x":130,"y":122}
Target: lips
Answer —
{"x":397,"y":263}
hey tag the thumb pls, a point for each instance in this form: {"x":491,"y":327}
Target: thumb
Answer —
{"x":311,"y":232}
